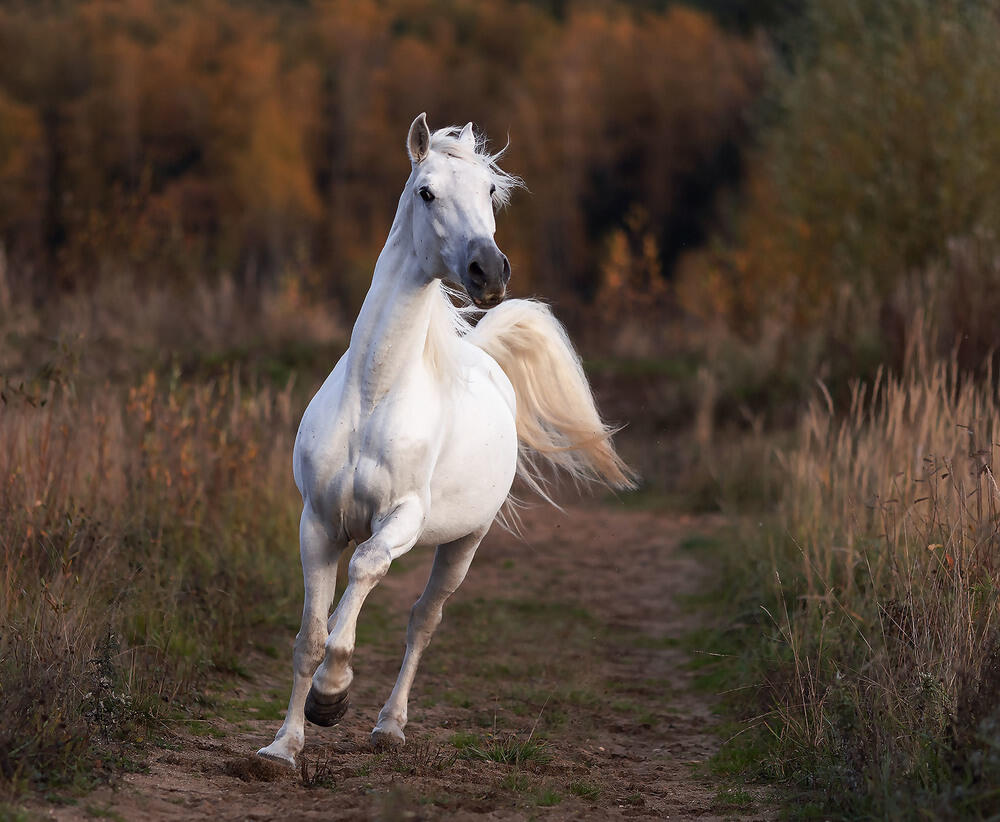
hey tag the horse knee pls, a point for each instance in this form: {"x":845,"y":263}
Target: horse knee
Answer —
{"x":310,"y":644}
{"x":369,"y":564}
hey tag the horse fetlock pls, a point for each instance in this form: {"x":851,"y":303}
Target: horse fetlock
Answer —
{"x":338,"y":658}
{"x":392,"y":712}
{"x":334,"y":675}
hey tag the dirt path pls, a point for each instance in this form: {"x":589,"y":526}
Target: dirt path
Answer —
{"x":559,"y":652}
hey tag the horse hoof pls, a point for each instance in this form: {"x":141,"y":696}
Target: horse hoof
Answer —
{"x":325,"y":710}
{"x":382,"y":740}
{"x":274,"y":754}
{"x":387,"y":734}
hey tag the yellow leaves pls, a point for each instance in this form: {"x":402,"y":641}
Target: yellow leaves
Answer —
{"x":630,"y":274}
{"x":271,"y":174}
{"x":949,"y":560}
{"x":214,"y":135}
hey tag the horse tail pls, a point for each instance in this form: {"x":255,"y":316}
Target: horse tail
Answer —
{"x":558,"y":425}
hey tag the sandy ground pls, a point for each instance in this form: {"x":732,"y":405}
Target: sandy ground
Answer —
{"x":563,"y":642}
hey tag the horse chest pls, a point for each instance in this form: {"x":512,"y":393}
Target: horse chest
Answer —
{"x":366,"y":463}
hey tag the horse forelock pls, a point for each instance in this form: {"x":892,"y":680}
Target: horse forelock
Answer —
{"x":446,"y":141}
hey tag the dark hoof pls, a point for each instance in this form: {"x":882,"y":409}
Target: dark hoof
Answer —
{"x":325,"y":710}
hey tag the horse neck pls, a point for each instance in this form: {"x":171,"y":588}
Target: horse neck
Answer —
{"x":390,"y":334}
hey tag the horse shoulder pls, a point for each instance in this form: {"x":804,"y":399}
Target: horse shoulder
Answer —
{"x":322,"y":430}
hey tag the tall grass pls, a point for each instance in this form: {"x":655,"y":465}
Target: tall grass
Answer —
{"x":146,"y":535}
{"x":885,"y":678}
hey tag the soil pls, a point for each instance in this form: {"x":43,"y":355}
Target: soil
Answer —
{"x":560,"y":652}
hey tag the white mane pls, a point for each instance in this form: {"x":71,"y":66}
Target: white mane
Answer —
{"x":446,"y":140}
{"x":448,"y":324}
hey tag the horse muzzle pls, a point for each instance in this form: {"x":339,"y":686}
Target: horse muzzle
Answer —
{"x":486,"y":275}
{"x":488,"y":300}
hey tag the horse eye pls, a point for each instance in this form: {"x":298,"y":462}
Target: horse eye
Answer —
{"x":426,"y":194}
{"x":493,"y":190}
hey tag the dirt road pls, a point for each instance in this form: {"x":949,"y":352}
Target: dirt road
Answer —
{"x":554,"y":689}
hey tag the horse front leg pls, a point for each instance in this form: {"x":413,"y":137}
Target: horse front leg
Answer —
{"x":392,"y":536}
{"x":451,"y":564}
{"x":319,"y":571}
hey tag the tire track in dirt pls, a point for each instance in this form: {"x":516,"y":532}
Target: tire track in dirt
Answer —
{"x":563,"y":638}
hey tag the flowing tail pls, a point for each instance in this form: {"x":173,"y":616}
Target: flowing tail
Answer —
{"x":558,"y":424}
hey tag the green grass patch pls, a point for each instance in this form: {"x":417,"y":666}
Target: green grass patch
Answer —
{"x":744,"y":752}
{"x":546,"y":690}
{"x":547,"y":797}
{"x":376,"y":622}
{"x":655,"y":643}
{"x":517,"y":781}
{"x":464,"y":739}
{"x":733,"y":798}
{"x":14,"y":813}
{"x":585,"y":790}
{"x":508,"y":749}
{"x":700,"y":542}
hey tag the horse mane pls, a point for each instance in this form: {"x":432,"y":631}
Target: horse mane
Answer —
{"x":449,"y":323}
{"x":450,"y":314}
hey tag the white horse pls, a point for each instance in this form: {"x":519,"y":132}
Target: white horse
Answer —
{"x":416,"y":436}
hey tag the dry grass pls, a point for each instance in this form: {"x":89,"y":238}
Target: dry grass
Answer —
{"x":886,"y":580}
{"x":140,"y":531}
{"x":120,"y":327}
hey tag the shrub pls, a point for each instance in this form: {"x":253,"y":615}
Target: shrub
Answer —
{"x":879,"y":153}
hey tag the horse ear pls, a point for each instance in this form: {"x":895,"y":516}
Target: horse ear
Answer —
{"x":467,"y":136}
{"x":418,"y":141}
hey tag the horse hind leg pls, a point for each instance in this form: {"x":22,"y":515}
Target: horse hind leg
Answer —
{"x":451,"y":564}
{"x":319,"y":570}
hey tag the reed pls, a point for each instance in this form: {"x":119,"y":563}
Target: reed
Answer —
{"x":885,"y":570}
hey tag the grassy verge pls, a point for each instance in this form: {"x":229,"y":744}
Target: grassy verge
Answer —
{"x":862,"y":645}
{"x":144,"y":537}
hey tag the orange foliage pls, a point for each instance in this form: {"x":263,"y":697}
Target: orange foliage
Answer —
{"x":179,"y":140}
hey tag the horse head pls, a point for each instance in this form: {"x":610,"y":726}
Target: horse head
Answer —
{"x":455,"y":187}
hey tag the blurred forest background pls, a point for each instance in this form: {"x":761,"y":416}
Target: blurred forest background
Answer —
{"x":183,"y":145}
{"x":768,"y":189}
{"x":182,"y":141}
{"x":727,"y":201}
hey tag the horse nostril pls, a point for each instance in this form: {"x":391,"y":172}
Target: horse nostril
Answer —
{"x":506,"y":270}
{"x":477,"y":275}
